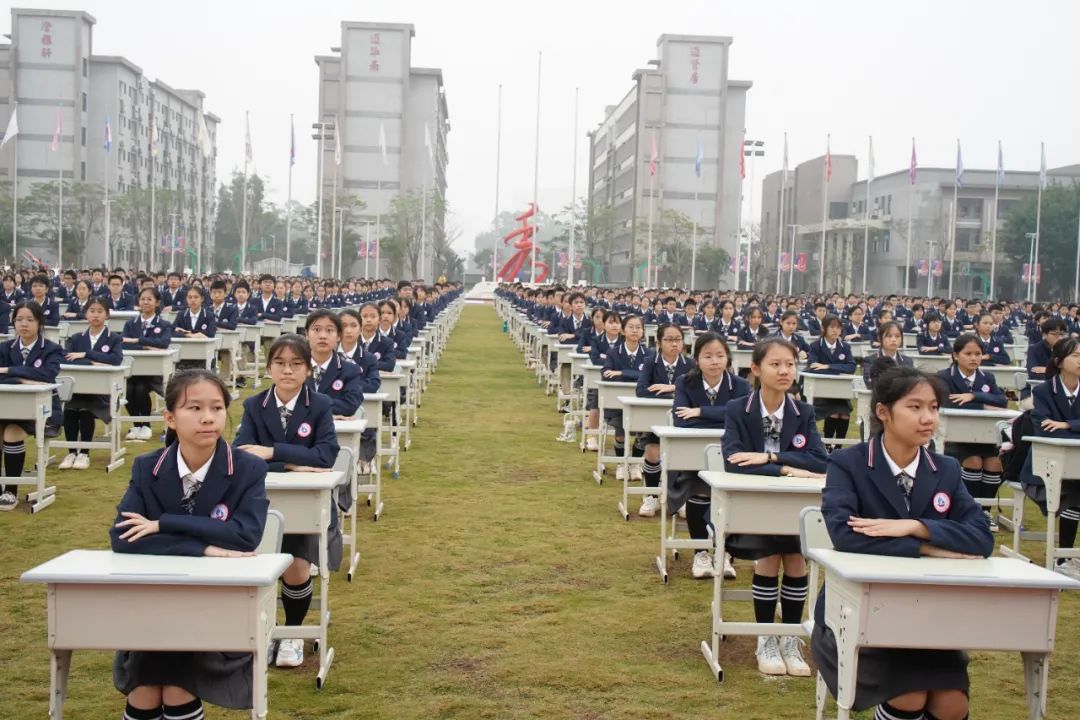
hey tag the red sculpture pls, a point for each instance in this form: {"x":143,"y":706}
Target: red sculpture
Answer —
{"x":524,"y":247}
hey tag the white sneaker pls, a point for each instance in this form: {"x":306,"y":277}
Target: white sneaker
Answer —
{"x":134,"y":434}
{"x":620,"y":472}
{"x":635,"y":472}
{"x":591,"y":444}
{"x":394,"y":442}
{"x":729,"y":568}
{"x":649,"y":506}
{"x":146,"y":433}
{"x":82,"y":462}
{"x":1069,"y":568}
{"x":67,"y":462}
{"x":769,"y":661}
{"x":682,"y":512}
{"x":703,"y":567}
{"x":8,"y":501}
{"x":791,"y":653}
{"x":290,"y":653}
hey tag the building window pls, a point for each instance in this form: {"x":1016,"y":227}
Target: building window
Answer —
{"x":84,"y":137}
{"x":84,"y":102}
{"x":84,"y":67}
{"x":967,"y":239}
{"x":83,"y":173}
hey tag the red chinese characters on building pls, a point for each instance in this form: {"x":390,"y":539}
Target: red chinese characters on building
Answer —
{"x":374,"y":51}
{"x":695,"y":64}
{"x":46,"y":39}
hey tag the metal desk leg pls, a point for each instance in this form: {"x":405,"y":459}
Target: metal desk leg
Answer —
{"x":59,"y":666}
{"x":1036,"y":675}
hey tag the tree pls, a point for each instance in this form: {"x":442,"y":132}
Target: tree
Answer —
{"x":403,"y":229}
{"x":445,"y":260}
{"x":672,"y":237}
{"x":227,"y":226}
{"x":83,"y":205}
{"x":1057,"y":237}
{"x":712,"y":263}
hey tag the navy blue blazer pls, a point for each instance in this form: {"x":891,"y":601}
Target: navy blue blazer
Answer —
{"x":108,"y":349}
{"x":599,"y":347}
{"x":995,"y":348}
{"x":748,"y":338}
{"x":702,"y":323}
{"x":1051,"y":403}
{"x":868,"y":363}
{"x":1038,"y":355}
{"x":207,"y":325}
{"x":79,"y":309}
{"x":155,"y":337}
{"x":862,"y":331}
{"x":247,"y":316}
{"x":42,"y":364}
{"x":912,"y":325}
{"x":628,"y":363}
{"x":224,"y":316}
{"x":125,"y":302}
{"x":985,"y":389}
{"x":310,"y":438}
{"x":813,"y":325}
{"x":690,"y":393}
{"x":229,"y":512}
{"x":175,"y":299}
{"x":370,"y":382}
{"x":952,"y":328}
{"x":653,"y":373}
{"x":797,"y":340}
{"x":382,"y":348}
{"x":345,"y":383}
{"x":272,"y":309}
{"x":296,"y":305}
{"x":727,"y":330}
{"x":838,"y":359}
{"x":51,"y":309}
{"x":941,"y":344}
{"x":800,"y":443}
{"x":860,"y":483}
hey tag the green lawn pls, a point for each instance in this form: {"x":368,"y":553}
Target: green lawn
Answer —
{"x":500,"y":583}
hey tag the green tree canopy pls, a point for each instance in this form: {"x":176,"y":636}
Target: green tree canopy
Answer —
{"x":1057,"y":241}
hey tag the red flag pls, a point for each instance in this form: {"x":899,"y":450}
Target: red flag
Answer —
{"x":800,"y":263}
{"x":911,"y":170}
{"x":56,"y":134}
{"x":742,"y":159}
{"x":653,"y":156}
{"x":828,"y":161}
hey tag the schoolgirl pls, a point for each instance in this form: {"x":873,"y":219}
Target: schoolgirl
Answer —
{"x":194,"y":321}
{"x":77,"y":307}
{"x":771,"y":433}
{"x":282,"y":295}
{"x":701,"y":398}
{"x":343,"y":381}
{"x":374,"y":343}
{"x":388,"y":324}
{"x":932,"y":341}
{"x":96,"y":346}
{"x":855,"y":330}
{"x":196,"y":497}
{"x":753,"y":331}
{"x":789,"y":332}
{"x":623,"y":363}
{"x":13,"y":294}
{"x":969,"y":389}
{"x":890,"y":496}
{"x":291,"y":428}
{"x":890,"y":340}
{"x":27,"y":358}
{"x":147,"y":331}
{"x":657,"y":380}
{"x":727,"y":326}
{"x":707,"y":319}
{"x":951,"y":325}
{"x":39,"y":291}
{"x":829,"y":355}
{"x":994,"y":352}
{"x":598,"y":347}
{"x":1038,"y":355}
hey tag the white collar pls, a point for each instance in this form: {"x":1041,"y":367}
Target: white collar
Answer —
{"x":323,"y":365}
{"x":714,"y":388}
{"x":27,"y":347}
{"x":1069,"y":395}
{"x":779,"y":414}
{"x":183,"y":469}
{"x":291,"y":404}
{"x":969,"y":378}
{"x":910,"y":470}
{"x":94,"y":338}
{"x":831,"y":347}
{"x":241,"y":306}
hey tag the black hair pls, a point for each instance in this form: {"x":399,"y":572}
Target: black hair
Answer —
{"x":630,"y":316}
{"x":787,"y":314}
{"x":699,"y":346}
{"x":291,"y":341}
{"x":99,"y":300}
{"x":886,"y":326}
{"x":40,"y":280}
{"x":184,"y":379}
{"x":980,"y":316}
{"x":1062,"y":349}
{"x":153,"y":291}
{"x":217,"y":285}
{"x":391,"y":302}
{"x":1054,"y":323}
{"x":896,"y":382}
{"x":319,"y":314}
{"x":242,"y":284}
{"x":933,"y":316}
{"x":266,"y":276}
{"x":34,"y":308}
{"x":660,"y":333}
{"x":89,"y":288}
{"x":118,"y":277}
{"x":828,"y":321}
{"x":575,"y":295}
{"x":762,"y":347}
{"x":360,"y":309}
{"x":612,"y":315}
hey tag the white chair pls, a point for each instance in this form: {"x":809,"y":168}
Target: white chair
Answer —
{"x":813,"y":534}
{"x":272,"y":533}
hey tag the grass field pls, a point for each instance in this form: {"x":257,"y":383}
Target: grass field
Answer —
{"x":500,"y":583}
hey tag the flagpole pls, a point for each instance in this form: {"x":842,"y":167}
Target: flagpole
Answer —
{"x":910,"y":206}
{"x":318,"y":222}
{"x":495,"y":218}
{"x":333,"y":204}
{"x":1032,"y":274}
{"x":1076,"y":282}
{"x":994,"y":222}
{"x":955,"y":215}
{"x":866,"y":217}
{"x":738,"y":212}
{"x":60,"y":213}
{"x":367,"y":247}
{"x":649,"y":261}
{"x":15,"y":201}
{"x":536,"y":171}
{"x":824,"y":214}
{"x":423,"y":225}
{"x":791,"y":264}
{"x":288,"y":203}
{"x":573,"y":194}
{"x":243,"y":212}
{"x":780,"y":220}
{"x":152,"y":175}
{"x":108,"y":145}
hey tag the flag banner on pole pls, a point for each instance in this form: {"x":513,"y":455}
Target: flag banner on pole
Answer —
{"x":382,"y":142}
{"x":247,"y":137}
{"x":744,"y":264}
{"x":204,"y":137}
{"x":939,"y":268}
{"x":742,"y":159}
{"x":563,"y":260}
{"x":153,"y":136}
{"x":911,"y":170}
{"x":56,"y":133}
{"x":922,"y":267}
{"x":1042,"y":164}
{"x":337,"y":141}
{"x":652,"y":155}
{"x":801,"y":262}
{"x":292,"y":143}
{"x":1025,"y":273}
{"x":1000,"y":167}
{"x":373,"y":249}
{"x":12,"y":127}
{"x":959,"y":166}
{"x":828,"y":160}
{"x":108,"y":134}
{"x":699,"y":157}
{"x":785,"y":262}
{"x":362,"y":249}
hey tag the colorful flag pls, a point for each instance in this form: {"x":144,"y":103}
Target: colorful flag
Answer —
{"x":785,"y":262}
{"x":1001,"y":167}
{"x":337,"y":141}
{"x":652,"y":155}
{"x":108,"y":134}
{"x":922,"y":267}
{"x":1025,"y":272}
{"x":959,"y":166}
{"x":828,"y":160}
{"x":1042,"y":165}
{"x":247,"y":137}
{"x":800,"y":262}
{"x":56,"y":133}
{"x":698,"y":158}
{"x":742,"y":161}
{"x":292,"y":142}
{"x":911,"y":170}
{"x":939,"y":268}
{"x":12,"y":128}
{"x":153,"y":136}
{"x":362,"y":249}
{"x":382,"y":143}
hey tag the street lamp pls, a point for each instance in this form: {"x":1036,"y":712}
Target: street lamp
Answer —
{"x":751,"y":149}
{"x":1032,"y":289}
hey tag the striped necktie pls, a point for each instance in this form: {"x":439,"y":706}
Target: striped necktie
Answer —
{"x":905,"y":482}
{"x":284,"y":412}
{"x":25,"y":354}
{"x":191,"y":490}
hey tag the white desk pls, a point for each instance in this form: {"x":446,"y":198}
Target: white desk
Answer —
{"x":152,"y":363}
{"x":932,"y":363}
{"x":751,"y":505}
{"x":938,"y":604}
{"x":348,"y":434}
{"x":373,"y":405}
{"x":305,"y":500}
{"x":608,"y":393}
{"x":1054,"y":460}
{"x":33,"y":403}
{"x":680,"y":449}
{"x":200,"y":350}
{"x":829,"y":387}
{"x":971,"y":426}
{"x":269,"y":329}
{"x":118,"y":318}
{"x":108,"y":380}
{"x":392,"y":384}
{"x":158,"y":603}
{"x":231,"y":344}
{"x":639,"y":416}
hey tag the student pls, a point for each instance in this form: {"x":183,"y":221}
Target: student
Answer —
{"x":573,"y":325}
{"x":1056,"y":414}
{"x":855,"y":330}
{"x":39,"y":291}
{"x":890,"y":496}
{"x":657,"y":380}
{"x":374,"y":343}
{"x":598,"y":347}
{"x":291,"y":428}
{"x":706,"y":321}
{"x":77,"y":307}
{"x":148,"y":331}
{"x":388,"y":325}
{"x":813,"y":324}
{"x":771,"y":433}
{"x":969,"y":389}
{"x":343,"y":381}
{"x":194,"y":321}
{"x":282,"y":294}
{"x":1038,"y":355}
{"x":96,"y":346}
{"x":267,"y":306}
{"x":196,"y":497}
{"x":246,"y":313}
{"x":623,"y":363}
{"x":753,"y":331}
{"x":994,"y":352}
{"x":789,"y":331}
{"x":26,"y":359}
{"x":701,"y":398}
{"x":932,"y":341}
{"x":950,"y":324}
{"x":727,"y":326}
{"x":891,"y":340}
{"x":119,"y":299}
{"x":829,"y":355}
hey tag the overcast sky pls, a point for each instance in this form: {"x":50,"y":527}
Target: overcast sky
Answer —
{"x":978,"y":71}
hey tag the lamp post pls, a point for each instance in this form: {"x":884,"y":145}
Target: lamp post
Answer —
{"x":751,"y":149}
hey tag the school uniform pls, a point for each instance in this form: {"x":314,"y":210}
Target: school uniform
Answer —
{"x":630,"y":365}
{"x":152,"y":334}
{"x":78,"y":308}
{"x":51,"y":310}
{"x":868,"y":363}
{"x":246,"y":314}
{"x":951,"y":328}
{"x":656,"y":371}
{"x":225,"y":316}
{"x":1052,"y":401}
{"x":727,"y":330}
{"x":984,"y":388}
{"x":748,"y":337}
{"x":913,"y":325}
{"x":940,"y":343}
{"x":862,"y":332}
{"x":41,"y":364}
{"x":797,"y":340}
{"x":793,"y":437}
{"x":813,"y":326}
{"x":204,"y":322}
{"x":840,"y":362}
{"x":12,"y":298}
{"x":296,"y":305}
{"x":701,"y":323}
{"x":381,"y":348}
{"x":227,"y":509}
{"x":108,"y":348}
{"x":862,"y":482}
{"x":267,"y":309}
{"x":996,"y":350}
{"x":345,"y":382}
{"x":124,"y":302}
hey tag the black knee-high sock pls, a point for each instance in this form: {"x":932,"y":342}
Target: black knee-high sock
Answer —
{"x":793,"y":598}
{"x":842,"y":425}
{"x":71,"y":425}
{"x":188,"y":711}
{"x":636,"y":450}
{"x":765,"y":590}
{"x":697,"y":517}
{"x":829,"y":427}
{"x":885,"y":711}
{"x":296,"y":599}
{"x":1067,"y":524}
{"x":14,"y":458}
{"x":972,"y":481}
{"x":620,"y":446}
{"x":133,"y":713}
{"x":651,"y":473}
{"x":86,"y":430}
{"x":991,"y":482}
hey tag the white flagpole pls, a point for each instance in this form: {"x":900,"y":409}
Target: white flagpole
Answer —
{"x":60,"y":212}
{"x":952,"y":243}
{"x":318,"y":222}
{"x":536,"y":170}
{"x":910,"y":205}
{"x":367,"y":248}
{"x":866,"y":217}
{"x":1034,"y":277}
{"x":378,"y":238}
{"x":495,"y":218}
{"x":152,"y":175}
{"x":573,"y":194}
{"x":652,"y":192}
{"x":333,"y":208}
{"x":1076,"y":282}
{"x":15,"y":201}
{"x":288,"y":203}
{"x":780,"y":219}
{"x":243,"y":212}
{"x":994,"y":222}
{"x":738,"y":213}
{"x":423,"y":225}
{"x":108,"y":244}
{"x":824,"y":213}
{"x":791,"y":264}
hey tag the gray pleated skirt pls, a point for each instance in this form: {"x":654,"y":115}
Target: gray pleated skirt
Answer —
{"x":223,"y":679}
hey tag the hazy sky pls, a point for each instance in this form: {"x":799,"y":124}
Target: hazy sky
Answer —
{"x":978,"y":71}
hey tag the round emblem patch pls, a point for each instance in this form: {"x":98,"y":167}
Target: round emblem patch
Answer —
{"x":942,"y":502}
{"x":378,"y":356}
{"x":220,"y":512}
{"x":986,"y":388}
{"x":204,"y":326}
{"x":304,"y":430}
{"x":104,"y":348}
{"x":799,"y":441}
{"x":338,"y":384}
{"x":37,"y":363}
{"x":997,"y":349}
{"x":157,"y":331}
{"x":840,"y":356}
